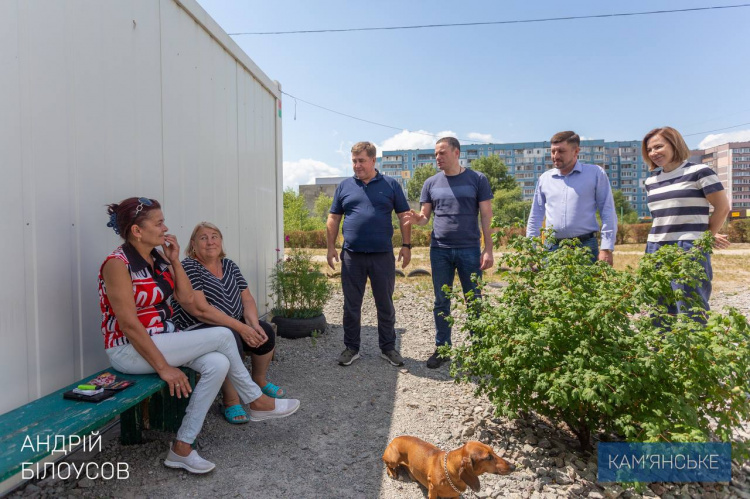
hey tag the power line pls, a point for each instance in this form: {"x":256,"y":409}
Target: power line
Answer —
{"x":474,"y":141}
{"x":487,"y":23}
{"x":401,"y":129}
{"x":716,"y":130}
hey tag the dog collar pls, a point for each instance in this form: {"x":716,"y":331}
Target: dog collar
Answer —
{"x":445,"y":468}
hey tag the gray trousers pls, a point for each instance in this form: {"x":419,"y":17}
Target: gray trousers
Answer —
{"x":381,"y":269}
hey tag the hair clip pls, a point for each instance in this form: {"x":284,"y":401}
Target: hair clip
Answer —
{"x":113,"y":223}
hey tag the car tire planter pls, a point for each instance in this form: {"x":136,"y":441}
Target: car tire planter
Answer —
{"x":293,"y":328}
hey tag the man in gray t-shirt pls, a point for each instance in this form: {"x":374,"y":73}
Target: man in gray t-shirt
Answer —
{"x":457,"y":196}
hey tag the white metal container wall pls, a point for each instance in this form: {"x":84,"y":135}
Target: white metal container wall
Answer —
{"x":104,"y":100}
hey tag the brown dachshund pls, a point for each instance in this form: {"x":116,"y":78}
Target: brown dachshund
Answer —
{"x":427,"y":464}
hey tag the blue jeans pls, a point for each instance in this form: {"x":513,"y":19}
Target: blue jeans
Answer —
{"x":445,"y":262}
{"x":704,"y":287}
{"x":590,"y":243}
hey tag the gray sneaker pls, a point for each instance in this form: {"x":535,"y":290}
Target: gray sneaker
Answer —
{"x":393,"y":357}
{"x":347,"y":357}
{"x":192,"y":462}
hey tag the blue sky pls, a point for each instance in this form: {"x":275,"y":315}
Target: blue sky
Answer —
{"x":611,"y":79}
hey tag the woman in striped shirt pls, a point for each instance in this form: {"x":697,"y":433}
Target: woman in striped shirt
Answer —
{"x":680,"y":194}
{"x":217,"y":280}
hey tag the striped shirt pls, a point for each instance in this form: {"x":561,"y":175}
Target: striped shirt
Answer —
{"x":678,"y":204}
{"x":223,"y":293}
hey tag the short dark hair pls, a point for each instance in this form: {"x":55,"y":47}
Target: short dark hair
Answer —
{"x":127,"y":213}
{"x":569,"y":137}
{"x":451,"y":141}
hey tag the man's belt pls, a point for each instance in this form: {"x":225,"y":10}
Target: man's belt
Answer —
{"x":584,"y":237}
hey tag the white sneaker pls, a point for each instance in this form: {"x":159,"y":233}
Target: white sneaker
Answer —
{"x":284,"y":408}
{"x":192,"y":462}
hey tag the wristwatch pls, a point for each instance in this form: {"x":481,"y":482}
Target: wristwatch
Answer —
{"x":406,"y":245}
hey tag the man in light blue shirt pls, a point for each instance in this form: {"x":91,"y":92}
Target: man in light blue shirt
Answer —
{"x":570,"y":195}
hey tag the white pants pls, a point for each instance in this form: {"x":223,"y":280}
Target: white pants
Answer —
{"x":212,"y":352}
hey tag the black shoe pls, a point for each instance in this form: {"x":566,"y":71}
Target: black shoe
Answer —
{"x":436,"y":360}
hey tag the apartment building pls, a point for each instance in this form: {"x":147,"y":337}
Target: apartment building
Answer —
{"x":731,"y":161}
{"x":526,"y":161}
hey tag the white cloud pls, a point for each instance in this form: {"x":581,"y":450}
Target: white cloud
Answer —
{"x":481,"y":137}
{"x":419,"y":139}
{"x":722,"y":138}
{"x":305,"y":171}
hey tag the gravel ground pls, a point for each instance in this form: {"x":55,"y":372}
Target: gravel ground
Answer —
{"x":332,"y":446}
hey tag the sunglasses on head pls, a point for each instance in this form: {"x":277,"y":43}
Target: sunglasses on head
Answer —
{"x":142,"y":202}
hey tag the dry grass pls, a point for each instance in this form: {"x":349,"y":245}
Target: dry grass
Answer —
{"x":731,"y":267}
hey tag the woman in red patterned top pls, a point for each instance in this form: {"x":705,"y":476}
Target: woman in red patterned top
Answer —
{"x":135,"y":284}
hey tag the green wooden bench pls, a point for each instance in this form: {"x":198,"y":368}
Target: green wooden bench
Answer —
{"x":53,"y":416}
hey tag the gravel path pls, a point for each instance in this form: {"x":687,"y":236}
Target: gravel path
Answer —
{"x":332,"y":446}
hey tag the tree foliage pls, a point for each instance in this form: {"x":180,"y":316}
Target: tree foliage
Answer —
{"x":416,"y":182}
{"x":594,"y":347}
{"x":296,"y":214}
{"x":509,"y":208}
{"x":495,"y":171}
{"x":625,"y":211}
{"x":322,"y":207}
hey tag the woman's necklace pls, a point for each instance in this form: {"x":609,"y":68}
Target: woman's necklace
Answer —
{"x":216,"y":269}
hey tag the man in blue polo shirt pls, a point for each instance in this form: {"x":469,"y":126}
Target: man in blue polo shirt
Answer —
{"x":458,"y":197}
{"x":368,"y":199}
{"x":569,"y":196}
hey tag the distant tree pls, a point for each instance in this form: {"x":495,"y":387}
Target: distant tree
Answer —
{"x":496,"y":172}
{"x":296,"y":214}
{"x":414,"y":186}
{"x":509,"y":207}
{"x":625,"y":211}
{"x":322,"y":206}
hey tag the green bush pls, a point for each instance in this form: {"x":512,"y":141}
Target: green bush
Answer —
{"x":637,"y":233}
{"x":738,"y":231}
{"x":419,"y":237}
{"x":503,"y":235}
{"x":305,"y":239}
{"x":298,"y":288}
{"x":595,"y":348}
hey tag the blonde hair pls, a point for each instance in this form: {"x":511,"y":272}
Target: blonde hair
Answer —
{"x":681,"y":150}
{"x":367,"y":147}
{"x":190,"y":250}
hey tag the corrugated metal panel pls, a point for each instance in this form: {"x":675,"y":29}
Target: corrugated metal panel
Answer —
{"x":100,"y":101}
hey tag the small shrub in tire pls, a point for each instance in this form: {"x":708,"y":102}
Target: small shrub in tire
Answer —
{"x":293,"y":328}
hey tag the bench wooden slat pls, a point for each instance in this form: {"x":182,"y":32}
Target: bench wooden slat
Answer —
{"x":53,"y":415}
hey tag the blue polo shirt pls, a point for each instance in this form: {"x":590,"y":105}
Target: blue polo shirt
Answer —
{"x":368,"y":208}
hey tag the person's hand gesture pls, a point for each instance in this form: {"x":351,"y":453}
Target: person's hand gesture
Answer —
{"x":252,"y":336}
{"x":487,"y":260}
{"x":332,"y":255}
{"x":721,"y":241}
{"x":411,"y":217}
{"x":171,"y":248}
{"x":177,"y":382}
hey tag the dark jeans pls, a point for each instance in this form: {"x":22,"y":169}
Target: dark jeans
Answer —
{"x":381,"y":269}
{"x":704,"y":287}
{"x":590,"y":243}
{"x":445,"y":262}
